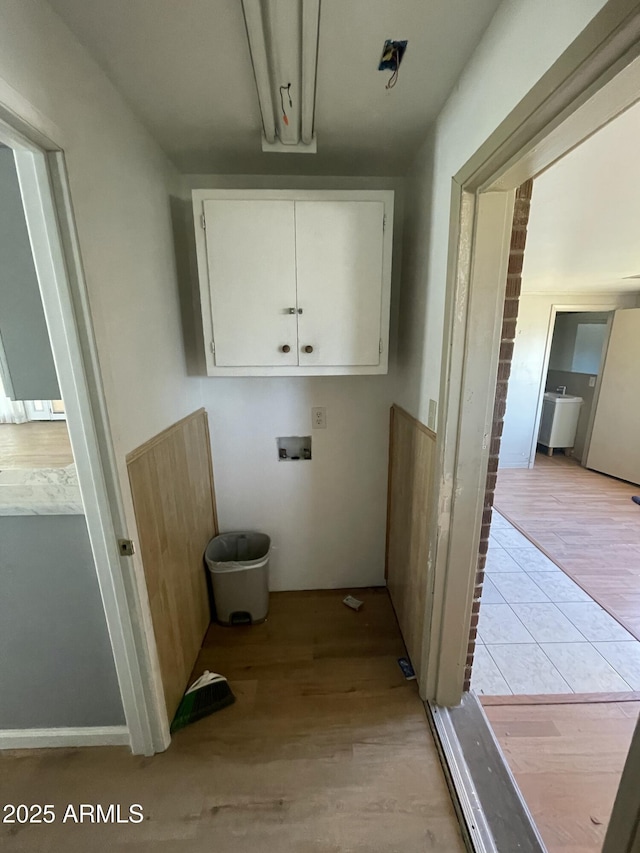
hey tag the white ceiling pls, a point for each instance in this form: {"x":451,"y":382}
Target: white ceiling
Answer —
{"x":584,"y":228}
{"x":185,"y":68}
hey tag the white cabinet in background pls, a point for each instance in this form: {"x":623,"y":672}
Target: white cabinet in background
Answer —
{"x":293,"y":282}
{"x":559,"y":421}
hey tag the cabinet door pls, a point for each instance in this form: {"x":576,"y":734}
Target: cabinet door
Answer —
{"x":339,"y":250}
{"x":252,"y":281}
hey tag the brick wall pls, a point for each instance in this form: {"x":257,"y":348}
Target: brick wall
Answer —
{"x":509,"y":320}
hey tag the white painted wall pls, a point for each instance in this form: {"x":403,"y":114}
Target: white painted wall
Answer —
{"x":523,"y":40}
{"x":585,"y":219}
{"x":121,"y":184}
{"x":528,"y":369}
{"x":327,"y":517}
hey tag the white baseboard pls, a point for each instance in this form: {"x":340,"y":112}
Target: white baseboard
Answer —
{"x":49,"y":738}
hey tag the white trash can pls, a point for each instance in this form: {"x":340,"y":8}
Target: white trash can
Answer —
{"x":239,"y":566}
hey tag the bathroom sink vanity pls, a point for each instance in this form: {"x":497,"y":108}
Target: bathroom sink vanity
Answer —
{"x":559,"y":421}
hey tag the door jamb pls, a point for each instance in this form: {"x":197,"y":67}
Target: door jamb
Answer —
{"x":147,"y":677}
{"x":586,"y":308}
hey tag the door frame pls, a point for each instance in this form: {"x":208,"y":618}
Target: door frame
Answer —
{"x":584,"y":308}
{"x":567,"y":105}
{"x":38,"y":145}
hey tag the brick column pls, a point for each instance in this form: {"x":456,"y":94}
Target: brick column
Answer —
{"x":509,"y":320}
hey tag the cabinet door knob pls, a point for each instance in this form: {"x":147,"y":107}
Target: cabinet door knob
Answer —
{"x":291,"y":310}
{"x":286,"y":348}
{"x":308,"y":348}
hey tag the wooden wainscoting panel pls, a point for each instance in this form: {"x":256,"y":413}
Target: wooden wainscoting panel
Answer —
{"x":411,"y":452}
{"x":171,"y":478}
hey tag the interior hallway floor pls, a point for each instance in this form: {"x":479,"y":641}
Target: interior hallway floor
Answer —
{"x":567,"y":624}
{"x":567,"y":760}
{"x":543,"y":631}
{"x":35,"y":444}
{"x":586,"y":522}
{"x":326,"y":750}
{"x":540,"y":633}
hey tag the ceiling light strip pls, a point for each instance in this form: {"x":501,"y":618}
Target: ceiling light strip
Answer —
{"x":310,"y":30}
{"x":257,"y":46}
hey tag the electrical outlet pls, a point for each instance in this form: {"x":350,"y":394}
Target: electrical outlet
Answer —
{"x":592,"y":382}
{"x":319,"y":417}
{"x":433,"y":415}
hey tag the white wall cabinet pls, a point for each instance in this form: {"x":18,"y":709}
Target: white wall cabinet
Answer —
{"x":294,"y":282}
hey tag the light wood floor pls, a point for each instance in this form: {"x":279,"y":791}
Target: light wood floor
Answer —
{"x":586,"y":522}
{"x":327,"y":750}
{"x":567,"y":760}
{"x":36,"y":444}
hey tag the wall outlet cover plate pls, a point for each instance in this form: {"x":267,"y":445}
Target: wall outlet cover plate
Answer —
{"x":319,"y":417}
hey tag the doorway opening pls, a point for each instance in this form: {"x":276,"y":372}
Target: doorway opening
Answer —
{"x":48,"y":355}
{"x":477,"y":355}
{"x":556,"y":649}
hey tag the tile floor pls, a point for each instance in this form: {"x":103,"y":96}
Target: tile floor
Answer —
{"x":540,"y":633}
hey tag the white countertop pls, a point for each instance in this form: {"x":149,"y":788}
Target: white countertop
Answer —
{"x":40,"y":491}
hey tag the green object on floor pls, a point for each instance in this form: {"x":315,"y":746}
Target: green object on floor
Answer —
{"x":208,"y":694}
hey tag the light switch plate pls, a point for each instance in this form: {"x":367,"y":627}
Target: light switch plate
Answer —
{"x":592,"y":382}
{"x":433,"y":415}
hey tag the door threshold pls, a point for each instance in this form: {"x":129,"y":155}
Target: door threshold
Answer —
{"x":559,"y":698}
{"x":493,"y":813}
